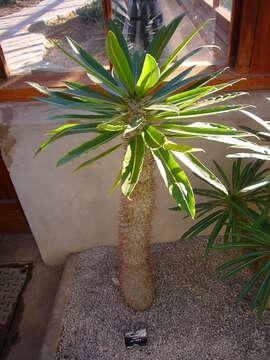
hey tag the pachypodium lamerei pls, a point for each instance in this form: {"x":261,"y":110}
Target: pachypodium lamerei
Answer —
{"x":148,"y":116}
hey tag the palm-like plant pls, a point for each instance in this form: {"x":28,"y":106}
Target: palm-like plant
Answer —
{"x":133,"y":106}
{"x":247,"y":190}
{"x":255,"y":240}
{"x":241,"y":215}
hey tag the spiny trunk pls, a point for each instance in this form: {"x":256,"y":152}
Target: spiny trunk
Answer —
{"x":135,"y":225}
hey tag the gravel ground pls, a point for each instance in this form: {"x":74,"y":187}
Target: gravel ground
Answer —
{"x":194,"y":315}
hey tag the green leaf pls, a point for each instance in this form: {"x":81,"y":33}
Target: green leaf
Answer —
{"x":137,"y":64}
{"x":249,"y":156}
{"x":238,"y":260}
{"x":260,"y":290}
{"x":87,"y":146}
{"x":134,"y":124}
{"x":77,"y":89}
{"x":209,"y":111}
{"x":97,"y":117}
{"x":201,"y":170}
{"x":132,"y":165}
{"x":255,"y":186}
{"x":120,"y":63}
{"x":182,"y":46}
{"x":264,"y":301}
{"x":161,"y":107}
{"x":95,"y":158}
{"x":179,"y":62}
{"x":65,"y":130}
{"x":173,"y":85}
{"x":116,"y":182}
{"x":189,"y":95}
{"x":201,"y":225}
{"x":153,"y":138}
{"x":175,"y":180}
{"x":223,"y":175}
{"x":210,"y":193}
{"x":91,"y":65}
{"x":121,"y":40}
{"x":236,"y":245}
{"x":163,"y":36}
{"x":201,"y":129}
{"x":149,"y":75}
{"x":215,"y":100}
{"x":213,"y":236}
{"x":68,"y":102}
{"x":253,"y":280}
{"x":206,"y":79}
{"x":181,"y":148}
{"x":110,"y":126}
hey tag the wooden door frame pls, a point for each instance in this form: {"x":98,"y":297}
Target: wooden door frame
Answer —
{"x":249,"y":50}
{"x":12,"y":218}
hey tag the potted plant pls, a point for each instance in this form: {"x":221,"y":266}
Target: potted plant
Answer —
{"x":133,"y":106}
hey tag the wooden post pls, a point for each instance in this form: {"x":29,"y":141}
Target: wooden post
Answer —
{"x":215,"y":3}
{"x":4,"y":72}
{"x":107,"y":12}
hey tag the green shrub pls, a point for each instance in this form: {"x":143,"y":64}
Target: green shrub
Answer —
{"x":92,"y":13}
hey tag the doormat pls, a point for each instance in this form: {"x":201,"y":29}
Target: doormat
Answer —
{"x":13,"y":279}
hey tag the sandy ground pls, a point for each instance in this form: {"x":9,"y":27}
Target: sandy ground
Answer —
{"x":91,"y":36}
{"x":194,"y":316}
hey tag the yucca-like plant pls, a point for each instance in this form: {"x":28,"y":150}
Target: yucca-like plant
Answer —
{"x":248,"y":190}
{"x":255,"y":242}
{"x":133,"y":106}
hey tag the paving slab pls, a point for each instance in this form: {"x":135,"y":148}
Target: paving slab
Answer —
{"x":194,"y":315}
{"x":24,"y":50}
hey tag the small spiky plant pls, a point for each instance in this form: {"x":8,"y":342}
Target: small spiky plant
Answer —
{"x":255,"y":247}
{"x":134,"y":106}
{"x":248,"y":189}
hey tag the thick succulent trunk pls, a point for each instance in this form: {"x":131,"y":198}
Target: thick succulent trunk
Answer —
{"x":135,"y":224}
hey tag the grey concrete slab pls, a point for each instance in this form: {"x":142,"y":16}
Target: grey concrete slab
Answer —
{"x":194,"y":315}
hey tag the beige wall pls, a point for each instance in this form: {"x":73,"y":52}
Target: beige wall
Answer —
{"x":69,"y":212}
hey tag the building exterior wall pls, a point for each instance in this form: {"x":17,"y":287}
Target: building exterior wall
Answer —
{"x":70,"y":212}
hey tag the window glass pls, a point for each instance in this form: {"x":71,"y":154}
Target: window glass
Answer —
{"x":227,"y":4}
{"x":28,"y":36}
{"x":143,"y":18}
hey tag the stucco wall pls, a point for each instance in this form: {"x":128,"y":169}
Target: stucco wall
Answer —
{"x":68,"y":211}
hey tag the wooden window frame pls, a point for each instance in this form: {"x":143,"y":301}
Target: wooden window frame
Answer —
{"x":247,"y":54}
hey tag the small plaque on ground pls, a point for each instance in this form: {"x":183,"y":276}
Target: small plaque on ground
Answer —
{"x":138,"y":337}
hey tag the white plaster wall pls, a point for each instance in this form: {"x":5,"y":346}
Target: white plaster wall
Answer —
{"x":69,"y":212}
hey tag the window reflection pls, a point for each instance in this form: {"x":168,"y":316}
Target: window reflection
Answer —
{"x":143,"y":18}
{"x":28,"y":41}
